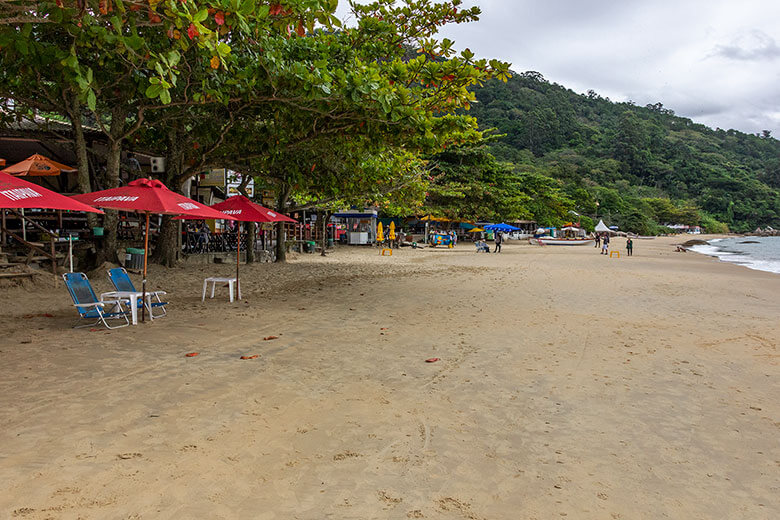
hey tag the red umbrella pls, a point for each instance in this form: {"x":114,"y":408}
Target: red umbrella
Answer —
{"x":244,"y":210}
{"x":149,"y":196}
{"x":38,"y":166}
{"x":18,"y":193}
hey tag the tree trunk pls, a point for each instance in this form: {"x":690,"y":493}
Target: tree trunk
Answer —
{"x":80,"y":149}
{"x":167,"y":250}
{"x":111,"y":218}
{"x":111,"y":180}
{"x":281,"y":204}
{"x":325,"y":218}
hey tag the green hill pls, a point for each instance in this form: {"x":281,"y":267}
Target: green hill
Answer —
{"x":634,"y":166}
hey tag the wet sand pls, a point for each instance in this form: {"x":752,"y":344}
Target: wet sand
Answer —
{"x":568,"y":385}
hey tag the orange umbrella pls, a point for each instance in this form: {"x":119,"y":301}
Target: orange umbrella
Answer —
{"x":37,"y":166}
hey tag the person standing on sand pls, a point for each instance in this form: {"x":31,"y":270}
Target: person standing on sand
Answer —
{"x":629,"y":247}
{"x":598,"y":240}
{"x":499,"y":240}
{"x":605,"y":245}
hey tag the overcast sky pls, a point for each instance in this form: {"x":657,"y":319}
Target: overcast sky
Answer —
{"x":716,"y":62}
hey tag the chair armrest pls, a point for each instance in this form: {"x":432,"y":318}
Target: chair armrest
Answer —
{"x":95,"y":304}
{"x":111,"y":294}
{"x":99,"y":304}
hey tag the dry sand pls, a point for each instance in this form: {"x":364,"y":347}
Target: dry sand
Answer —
{"x":569,"y":385}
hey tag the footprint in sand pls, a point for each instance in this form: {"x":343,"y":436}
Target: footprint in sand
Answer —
{"x":346,"y":455}
{"x":126,"y":456}
{"x":383,"y":496}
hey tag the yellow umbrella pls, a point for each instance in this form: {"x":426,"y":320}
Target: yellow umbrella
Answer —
{"x":380,"y":236}
{"x":475,"y":230}
{"x":391,"y":231}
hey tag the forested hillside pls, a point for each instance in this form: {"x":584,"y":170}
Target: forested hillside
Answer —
{"x":634,"y":166}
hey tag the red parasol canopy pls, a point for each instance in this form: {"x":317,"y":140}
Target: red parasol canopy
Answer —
{"x":37,"y":166}
{"x":244,"y":210}
{"x":18,"y":193}
{"x":150,"y":196}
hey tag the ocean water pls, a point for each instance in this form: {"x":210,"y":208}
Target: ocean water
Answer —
{"x":760,"y":253}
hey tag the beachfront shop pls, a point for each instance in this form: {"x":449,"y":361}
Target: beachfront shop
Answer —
{"x":360,"y":226}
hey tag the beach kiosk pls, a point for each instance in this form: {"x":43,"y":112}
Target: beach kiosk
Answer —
{"x":361,"y":226}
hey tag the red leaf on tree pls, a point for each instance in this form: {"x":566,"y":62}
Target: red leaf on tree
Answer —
{"x":275,"y":9}
{"x":300,"y":30}
{"x":219,"y":18}
{"x":192,"y":31}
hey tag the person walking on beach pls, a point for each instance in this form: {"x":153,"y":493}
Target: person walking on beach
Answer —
{"x":629,"y":246}
{"x":499,"y":240}
{"x":598,"y":240}
{"x":605,"y":245}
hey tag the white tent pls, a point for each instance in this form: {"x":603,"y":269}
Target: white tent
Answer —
{"x":602,"y":228}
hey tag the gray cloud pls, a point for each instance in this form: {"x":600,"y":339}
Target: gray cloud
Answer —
{"x":756,"y":45}
{"x":709,"y":60}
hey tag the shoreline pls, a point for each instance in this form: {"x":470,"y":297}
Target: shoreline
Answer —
{"x":741,"y":258}
{"x":568,"y":383}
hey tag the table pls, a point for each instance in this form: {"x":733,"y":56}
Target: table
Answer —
{"x":231,"y":281}
{"x":133,"y":298}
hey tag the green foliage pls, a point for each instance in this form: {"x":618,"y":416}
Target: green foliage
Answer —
{"x":632,"y":159}
{"x":587,"y":223}
{"x":711,"y":225}
{"x":470,"y":184}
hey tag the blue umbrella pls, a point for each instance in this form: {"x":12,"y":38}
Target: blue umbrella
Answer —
{"x":501,"y":227}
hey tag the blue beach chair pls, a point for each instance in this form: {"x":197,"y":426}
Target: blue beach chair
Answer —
{"x":122,"y":282}
{"x":88,"y":305}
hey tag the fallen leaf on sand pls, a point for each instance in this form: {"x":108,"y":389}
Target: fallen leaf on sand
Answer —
{"x":432,"y":360}
{"x":270,"y":337}
{"x":249,"y":357}
{"x":191,"y":354}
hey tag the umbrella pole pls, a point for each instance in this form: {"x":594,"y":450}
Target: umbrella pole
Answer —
{"x":238,"y":254}
{"x":146,"y":254}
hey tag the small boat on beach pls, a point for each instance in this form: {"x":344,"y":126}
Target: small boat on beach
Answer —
{"x":549,"y":241}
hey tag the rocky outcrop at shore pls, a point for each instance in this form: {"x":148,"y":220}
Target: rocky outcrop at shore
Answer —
{"x":766,"y":232}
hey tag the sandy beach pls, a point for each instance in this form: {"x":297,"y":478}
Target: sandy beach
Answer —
{"x":569,"y":385}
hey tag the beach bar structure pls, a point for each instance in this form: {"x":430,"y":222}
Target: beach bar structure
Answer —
{"x":527,"y":227}
{"x":361,"y":225}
